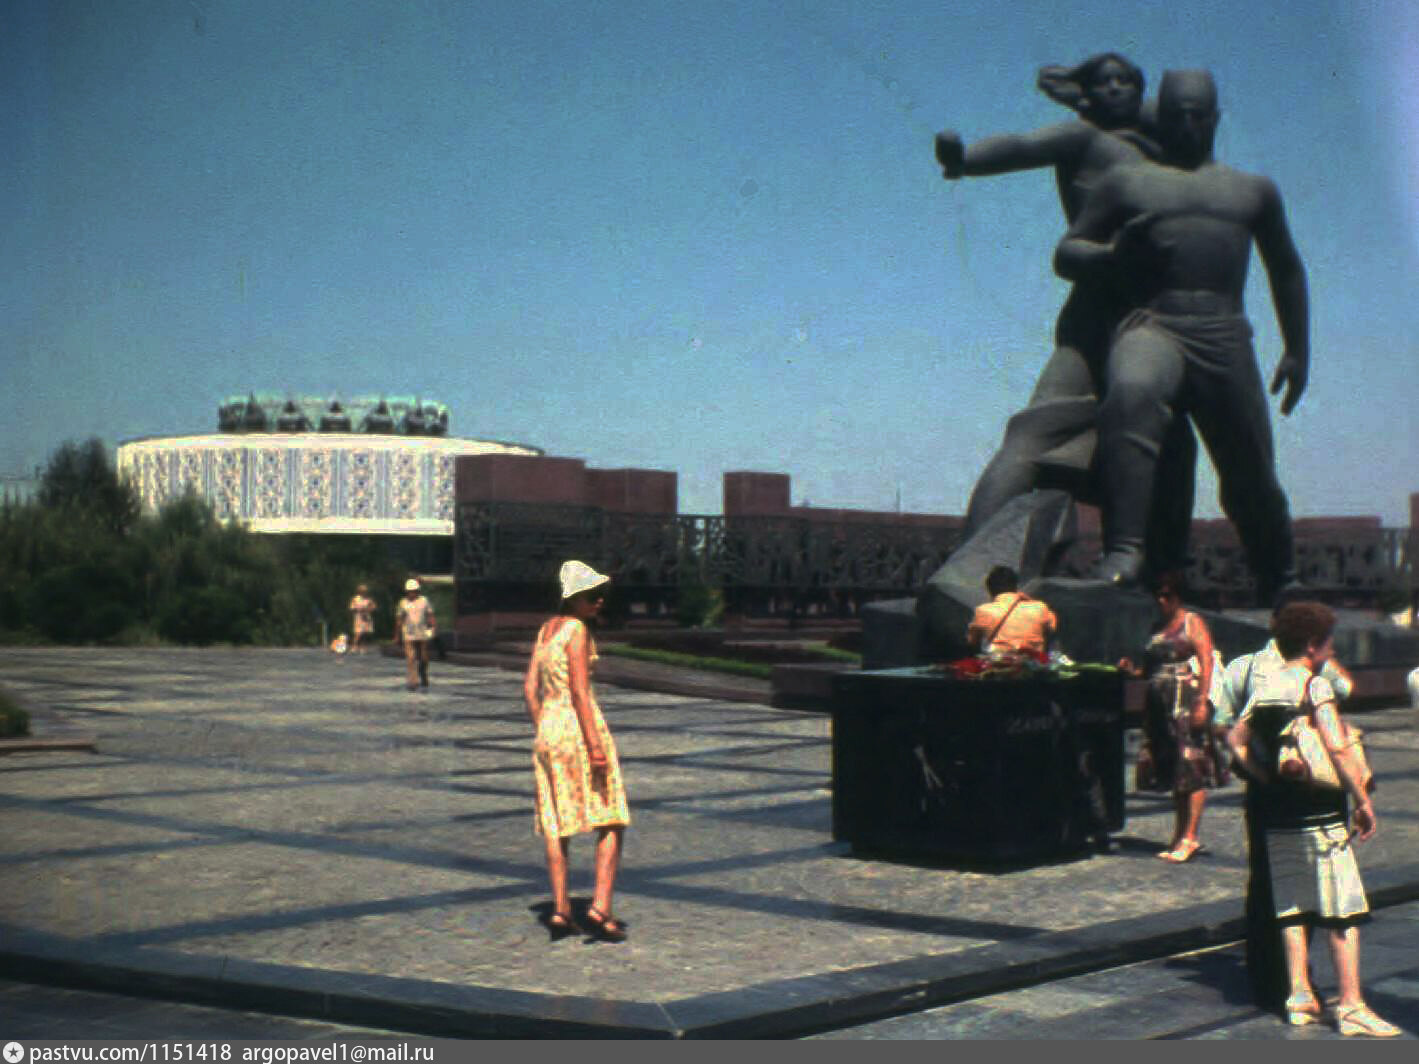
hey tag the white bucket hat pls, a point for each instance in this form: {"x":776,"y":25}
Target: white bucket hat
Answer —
{"x":577,"y":577}
{"x":411,"y":585}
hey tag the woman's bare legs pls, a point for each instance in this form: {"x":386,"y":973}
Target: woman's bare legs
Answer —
{"x":557,"y":873}
{"x":1296,"y":938}
{"x":1352,"y":1015}
{"x":1345,"y":951}
{"x":1187,"y":819}
{"x":1189,"y":811}
{"x":608,"y":863}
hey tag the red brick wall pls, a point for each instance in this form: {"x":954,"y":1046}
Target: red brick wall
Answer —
{"x":519,"y":478}
{"x":633,"y":491}
{"x":768,"y":495}
{"x":756,"y":495}
{"x":526,"y":478}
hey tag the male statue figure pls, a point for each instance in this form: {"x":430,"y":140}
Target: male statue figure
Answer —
{"x":1178,"y":238}
{"x":1050,"y":443}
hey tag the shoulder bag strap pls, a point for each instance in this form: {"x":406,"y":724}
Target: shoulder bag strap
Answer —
{"x":1001,"y":623}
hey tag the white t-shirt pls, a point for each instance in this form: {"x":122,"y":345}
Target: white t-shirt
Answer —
{"x":1286,"y":687}
{"x":1242,"y":676}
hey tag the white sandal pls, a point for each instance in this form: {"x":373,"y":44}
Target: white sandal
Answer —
{"x":1359,"y":1020}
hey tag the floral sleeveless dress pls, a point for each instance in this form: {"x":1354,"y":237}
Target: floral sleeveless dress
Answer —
{"x":362,"y":607}
{"x":568,"y":800}
{"x":1184,"y":759}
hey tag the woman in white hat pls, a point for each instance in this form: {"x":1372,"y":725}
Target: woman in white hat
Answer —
{"x":579,"y":785}
{"x":414,"y":625}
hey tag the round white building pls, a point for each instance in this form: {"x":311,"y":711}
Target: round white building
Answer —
{"x":370,"y":466}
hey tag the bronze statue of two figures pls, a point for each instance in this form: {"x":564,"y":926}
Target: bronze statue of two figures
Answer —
{"x":1153,"y":341}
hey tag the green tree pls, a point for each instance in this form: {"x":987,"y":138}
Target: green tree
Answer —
{"x":63,"y":565}
{"x":79,"y":477}
{"x":202,"y":581}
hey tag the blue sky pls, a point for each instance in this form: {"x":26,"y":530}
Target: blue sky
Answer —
{"x":689,"y":236}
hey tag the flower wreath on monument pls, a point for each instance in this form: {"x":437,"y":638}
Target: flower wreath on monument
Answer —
{"x":1018,"y":665}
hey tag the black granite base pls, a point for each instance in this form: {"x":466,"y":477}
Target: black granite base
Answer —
{"x":979,"y":771}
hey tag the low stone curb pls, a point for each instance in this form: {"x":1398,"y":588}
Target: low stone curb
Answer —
{"x":23,"y":745}
{"x":778,"y":1009}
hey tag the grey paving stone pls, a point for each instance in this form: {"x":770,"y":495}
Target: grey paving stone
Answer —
{"x":294,"y":810}
{"x":42,"y":1012}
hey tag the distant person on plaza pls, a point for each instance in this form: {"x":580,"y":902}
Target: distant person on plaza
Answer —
{"x":1310,"y":866}
{"x":1181,"y":753}
{"x":362,"y":618}
{"x":414,"y":626}
{"x":1011,"y":622}
{"x":578,"y":775}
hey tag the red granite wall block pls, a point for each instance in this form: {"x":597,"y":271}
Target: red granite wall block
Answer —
{"x":520,"y":478}
{"x":756,"y":495}
{"x":1344,"y":526}
{"x":633,"y":491}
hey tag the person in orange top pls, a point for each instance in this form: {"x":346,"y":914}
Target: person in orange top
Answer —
{"x":1011,"y":621}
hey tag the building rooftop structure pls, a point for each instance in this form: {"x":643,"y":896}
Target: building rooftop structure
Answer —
{"x":272,"y":412}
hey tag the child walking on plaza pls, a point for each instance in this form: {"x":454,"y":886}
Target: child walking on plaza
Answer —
{"x":362,"y":618}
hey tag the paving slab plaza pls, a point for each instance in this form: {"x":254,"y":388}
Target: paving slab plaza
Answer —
{"x":293,"y":833}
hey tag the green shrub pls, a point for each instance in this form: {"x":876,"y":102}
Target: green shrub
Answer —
{"x":832,"y":653}
{"x":85,"y":603}
{"x":1394,"y":598}
{"x":205,"y":615}
{"x":756,"y":669}
{"x":13,"y":719}
{"x":699,"y":606}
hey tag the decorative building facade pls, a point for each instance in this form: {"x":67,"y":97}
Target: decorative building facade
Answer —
{"x":273,"y":470}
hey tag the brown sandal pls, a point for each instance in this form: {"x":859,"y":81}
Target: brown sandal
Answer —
{"x":604,"y":927}
{"x":560,"y":925}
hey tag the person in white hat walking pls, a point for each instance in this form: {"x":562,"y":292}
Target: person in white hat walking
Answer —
{"x":578,"y":775}
{"x":414,"y":625}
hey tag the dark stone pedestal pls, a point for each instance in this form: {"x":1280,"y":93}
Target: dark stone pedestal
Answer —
{"x":1097,"y":621}
{"x":891,"y":634}
{"x":976,"y":770}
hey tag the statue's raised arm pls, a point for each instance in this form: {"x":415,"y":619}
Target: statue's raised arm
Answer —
{"x":1106,"y":91}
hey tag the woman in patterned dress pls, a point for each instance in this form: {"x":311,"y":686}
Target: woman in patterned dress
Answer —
{"x":1177,"y":723}
{"x":574,"y":759}
{"x":1308,"y":859}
